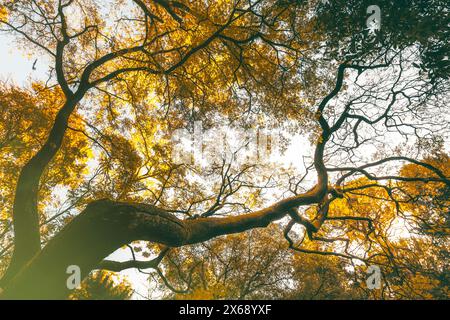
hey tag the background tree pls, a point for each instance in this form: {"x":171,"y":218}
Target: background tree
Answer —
{"x":102,"y":285}
{"x":259,"y":265}
{"x":253,"y":265}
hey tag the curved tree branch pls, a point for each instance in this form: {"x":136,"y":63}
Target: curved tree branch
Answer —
{"x":107,"y":225}
{"x":118,"y":266}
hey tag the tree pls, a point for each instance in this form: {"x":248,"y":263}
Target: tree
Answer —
{"x":259,"y":265}
{"x":126,"y":74}
{"x":250,"y":265}
{"x":253,"y":265}
{"x":101,"y":285}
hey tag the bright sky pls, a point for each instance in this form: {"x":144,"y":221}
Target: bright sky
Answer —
{"x":14,"y":66}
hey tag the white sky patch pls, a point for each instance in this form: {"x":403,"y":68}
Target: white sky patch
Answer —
{"x":139,"y":280}
{"x":16,"y":67}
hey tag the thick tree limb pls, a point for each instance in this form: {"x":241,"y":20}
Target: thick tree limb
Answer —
{"x":107,"y":225}
{"x":25,"y":213}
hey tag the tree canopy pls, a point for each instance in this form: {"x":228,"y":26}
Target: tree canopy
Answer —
{"x":87,"y":161}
